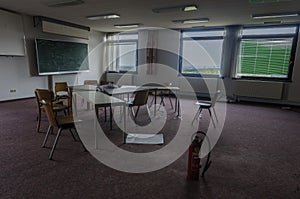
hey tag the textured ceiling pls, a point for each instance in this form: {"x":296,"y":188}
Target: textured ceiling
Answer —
{"x":220,"y":12}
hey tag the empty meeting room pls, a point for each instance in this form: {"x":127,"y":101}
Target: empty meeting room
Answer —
{"x":149,"y":99}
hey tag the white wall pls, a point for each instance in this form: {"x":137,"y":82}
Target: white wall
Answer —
{"x":19,"y":73}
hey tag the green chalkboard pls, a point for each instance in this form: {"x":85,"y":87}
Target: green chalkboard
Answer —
{"x":59,"y":57}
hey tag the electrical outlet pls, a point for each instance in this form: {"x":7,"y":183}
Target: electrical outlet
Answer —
{"x":13,"y":90}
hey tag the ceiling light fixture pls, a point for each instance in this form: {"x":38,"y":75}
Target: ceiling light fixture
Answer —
{"x":190,"y":8}
{"x":106,"y":16}
{"x":267,"y":1}
{"x":192,"y":21}
{"x":64,"y":3}
{"x":127,"y":25}
{"x":274,"y":15}
{"x":185,"y":8}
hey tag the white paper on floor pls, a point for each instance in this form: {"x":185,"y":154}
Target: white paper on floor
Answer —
{"x":145,"y":139}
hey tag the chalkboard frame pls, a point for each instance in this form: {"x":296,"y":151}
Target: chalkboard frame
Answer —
{"x":60,"y":69}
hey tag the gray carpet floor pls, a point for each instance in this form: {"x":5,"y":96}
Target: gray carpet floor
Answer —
{"x":257,"y":156}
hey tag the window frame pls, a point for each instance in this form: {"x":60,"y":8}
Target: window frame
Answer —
{"x":294,"y":36}
{"x":117,"y":60}
{"x":197,"y":39}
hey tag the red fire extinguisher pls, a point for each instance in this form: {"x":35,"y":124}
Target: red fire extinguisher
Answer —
{"x":194,"y":159}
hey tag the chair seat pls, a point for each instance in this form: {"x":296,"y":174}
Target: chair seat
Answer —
{"x":204,"y":104}
{"x":57,"y":107}
{"x":66,"y":120}
{"x":129,"y":101}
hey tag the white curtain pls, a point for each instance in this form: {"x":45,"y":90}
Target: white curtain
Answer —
{"x":111,"y":53}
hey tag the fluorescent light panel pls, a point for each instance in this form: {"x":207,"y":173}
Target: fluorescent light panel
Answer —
{"x":127,"y":25}
{"x":190,"y":8}
{"x":274,"y":15}
{"x":106,"y":16}
{"x":64,"y":3}
{"x":192,"y":21}
{"x":185,"y":8}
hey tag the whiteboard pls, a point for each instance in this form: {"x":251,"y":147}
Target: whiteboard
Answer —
{"x":11,"y":34}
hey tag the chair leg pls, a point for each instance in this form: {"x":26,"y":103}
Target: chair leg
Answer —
{"x":212,"y":119}
{"x":171,"y":102}
{"x":55,"y":143}
{"x":215,"y":114}
{"x":72,"y":134}
{"x":80,"y":140}
{"x":137,"y":110}
{"x":162,"y":100}
{"x":132,"y":114}
{"x":197,"y":114}
{"x":47,"y":135}
{"x":152,"y":101}
{"x":148,"y":111}
{"x":38,"y":122}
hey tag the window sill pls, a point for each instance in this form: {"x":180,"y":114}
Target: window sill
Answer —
{"x":263,"y":79}
{"x":199,"y":75}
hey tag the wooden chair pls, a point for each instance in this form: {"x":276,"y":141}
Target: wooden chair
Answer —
{"x":62,"y":92}
{"x":44,"y":94}
{"x":62,"y":122}
{"x":90,"y":82}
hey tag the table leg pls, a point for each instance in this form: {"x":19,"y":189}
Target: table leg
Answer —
{"x":110,"y":116}
{"x":124,"y":131}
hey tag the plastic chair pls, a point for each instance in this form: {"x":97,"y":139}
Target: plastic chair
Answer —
{"x":62,"y":122}
{"x":44,"y":94}
{"x":164,"y":93}
{"x":207,"y":105}
{"x":140,"y":99}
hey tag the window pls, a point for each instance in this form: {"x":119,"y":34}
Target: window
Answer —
{"x":267,"y":52}
{"x":122,"y":52}
{"x":201,"y":52}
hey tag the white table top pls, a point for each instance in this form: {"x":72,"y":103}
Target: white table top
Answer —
{"x":83,"y":88}
{"x":130,"y":89}
{"x":100,"y":99}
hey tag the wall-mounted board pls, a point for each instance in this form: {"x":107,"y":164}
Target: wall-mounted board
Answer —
{"x":11,"y":34}
{"x":61,"y":57}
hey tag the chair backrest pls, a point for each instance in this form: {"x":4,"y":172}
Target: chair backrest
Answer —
{"x":49,"y":112}
{"x":44,"y":94}
{"x":37,"y":98}
{"x":215,"y":98}
{"x":61,"y":86}
{"x":166,"y":84}
{"x":90,"y":82}
{"x":140,"y":98}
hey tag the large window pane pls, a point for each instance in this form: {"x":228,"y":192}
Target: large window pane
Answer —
{"x":122,"y":52}
{"x":201,"y":56}
{"x":264,"y":52}
{"x":127,"y":59}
